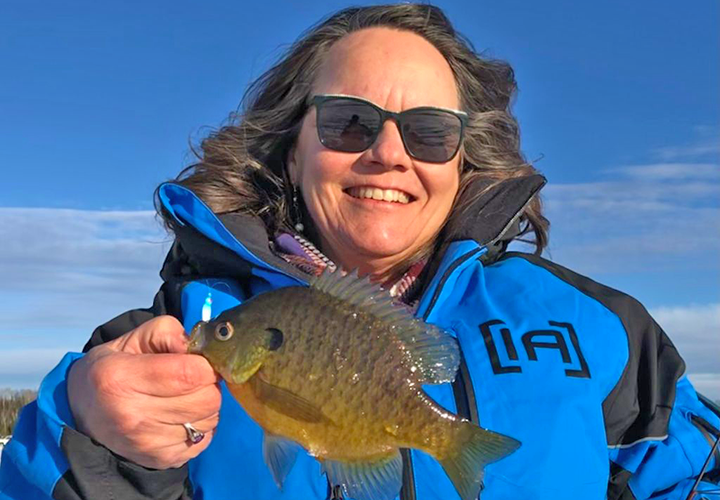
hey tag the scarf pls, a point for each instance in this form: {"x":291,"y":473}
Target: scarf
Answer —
{"x":305,"y":256}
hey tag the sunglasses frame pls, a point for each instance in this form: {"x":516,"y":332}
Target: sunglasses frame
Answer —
{"x":320,"y":99}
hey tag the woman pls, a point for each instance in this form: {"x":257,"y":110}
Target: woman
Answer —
{"x":317,"y":173}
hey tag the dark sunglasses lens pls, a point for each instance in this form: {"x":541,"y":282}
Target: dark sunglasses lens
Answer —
{"x":432,"y":135}
{"x":346,"y":125}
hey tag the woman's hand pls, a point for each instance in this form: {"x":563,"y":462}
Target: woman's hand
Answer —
{"x":133,"y":395}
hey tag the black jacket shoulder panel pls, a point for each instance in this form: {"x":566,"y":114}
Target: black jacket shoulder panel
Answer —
{"x":640,"y":404}
{"x":207,"y":258}
{"x":489,"y":216}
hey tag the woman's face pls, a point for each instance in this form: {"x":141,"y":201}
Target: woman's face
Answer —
{"x":396,"y":70}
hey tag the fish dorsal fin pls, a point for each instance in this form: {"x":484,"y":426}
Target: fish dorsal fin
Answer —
{"x":286,"y":402}
{"x":279,"y":454}
{"x":378,"y":480}
{"x":433,"y":352}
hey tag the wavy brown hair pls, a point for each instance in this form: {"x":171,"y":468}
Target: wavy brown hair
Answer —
{"x":241,"y":166}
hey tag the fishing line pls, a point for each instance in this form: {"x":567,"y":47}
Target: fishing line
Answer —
{"x":206,"y":311}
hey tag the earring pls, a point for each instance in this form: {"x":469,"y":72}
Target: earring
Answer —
{"x":297,"y":215}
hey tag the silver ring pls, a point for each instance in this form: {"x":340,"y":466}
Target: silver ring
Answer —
{"x":193,"y":435}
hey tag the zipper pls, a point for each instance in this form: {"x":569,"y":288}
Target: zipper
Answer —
{"x":436,"y":295}
{"x":464,"y":393}
{"x":335,"y":492}
{"x":462,"y":386}
{"x":407,"y":492}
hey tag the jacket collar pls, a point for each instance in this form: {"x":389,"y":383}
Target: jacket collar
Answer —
{"x":238,"y":244}
{"x":494,"y":215}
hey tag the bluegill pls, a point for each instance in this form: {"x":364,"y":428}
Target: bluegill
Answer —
{"x":337,"y":368}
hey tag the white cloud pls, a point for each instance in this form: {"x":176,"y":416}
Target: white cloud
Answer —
{"x":695,"y":331}
{"x":670,"y":171}
{"x":63,"y":273}
{"x":707,"y":147}
{"x":30,"y":361}
{"x":76,"y":249}
{"x":645,"y":217}
{"x":25,"y":368}
{"x":707,"y":384}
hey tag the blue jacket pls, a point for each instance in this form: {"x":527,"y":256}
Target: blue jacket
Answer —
{"x":576,"y":371}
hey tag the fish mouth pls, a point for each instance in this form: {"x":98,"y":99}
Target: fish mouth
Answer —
{"x":197,"y":340}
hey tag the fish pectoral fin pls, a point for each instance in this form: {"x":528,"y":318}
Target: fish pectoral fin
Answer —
{"x":287,"y":402}
{"x":377,"y":480}
{"x":279,"y":454}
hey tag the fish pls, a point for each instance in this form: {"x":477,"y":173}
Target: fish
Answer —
{"x":336,"y":368}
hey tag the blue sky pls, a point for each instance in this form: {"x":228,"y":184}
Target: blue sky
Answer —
{"x":99,"y":102}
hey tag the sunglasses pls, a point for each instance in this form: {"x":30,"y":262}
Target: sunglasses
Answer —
{"x":351,"y":125}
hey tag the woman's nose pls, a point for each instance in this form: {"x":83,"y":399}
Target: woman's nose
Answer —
{"x":388,"y":149}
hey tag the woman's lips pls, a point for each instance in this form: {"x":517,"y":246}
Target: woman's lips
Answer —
{"x":374,"y":193}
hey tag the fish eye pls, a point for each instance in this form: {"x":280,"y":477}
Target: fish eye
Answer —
{"x":276,"y":339}
{"x":223,"y":331}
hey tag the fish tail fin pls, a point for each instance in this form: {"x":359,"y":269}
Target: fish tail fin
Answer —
{"x":473,"y":448}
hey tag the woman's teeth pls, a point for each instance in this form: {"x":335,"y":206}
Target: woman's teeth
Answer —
{"x":379,"y":194}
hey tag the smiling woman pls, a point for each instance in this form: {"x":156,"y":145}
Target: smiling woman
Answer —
{"x":401,"y":71}
{"x":381,"y":143}
{"x":392,"y":60}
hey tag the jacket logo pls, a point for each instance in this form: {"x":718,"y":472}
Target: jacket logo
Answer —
{"x":561,"y":337}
